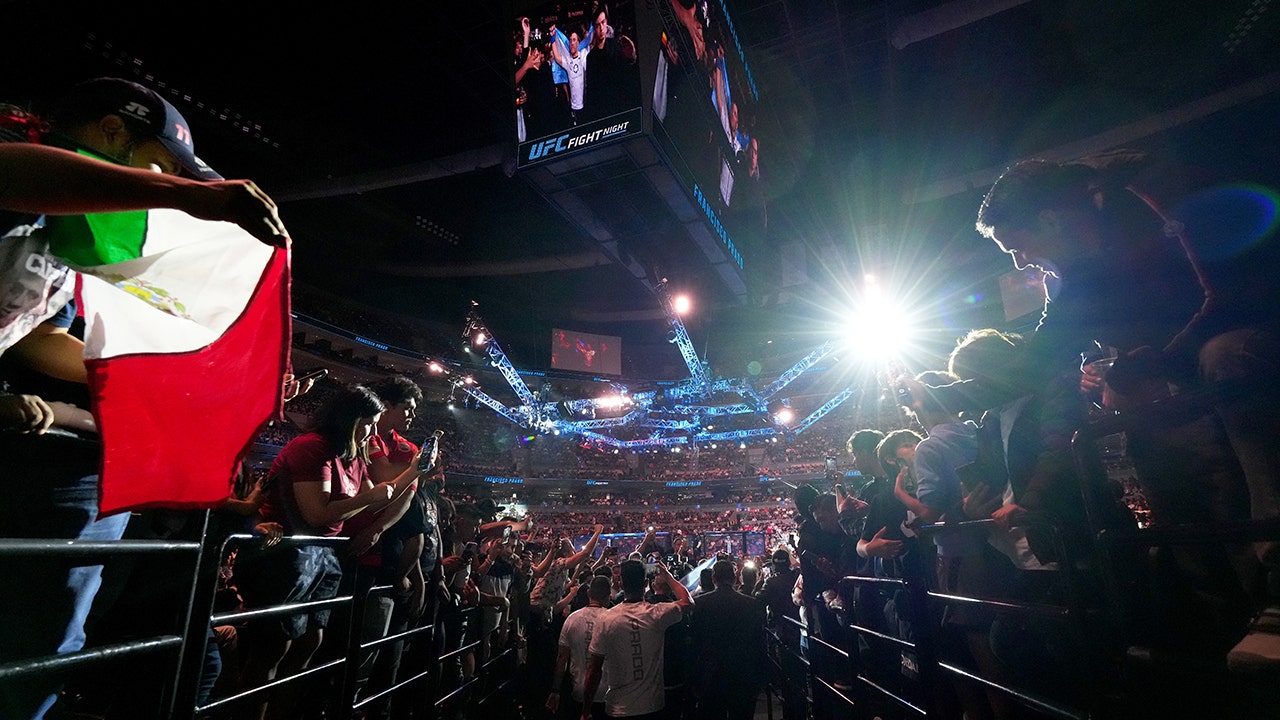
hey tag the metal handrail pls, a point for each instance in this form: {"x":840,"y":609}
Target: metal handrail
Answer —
{"x":469,"y":646}
{"x":892,"y":696}
{"x":398,"y":636}
{"x":829,"y":646}
{"x":1051,"y":611}
{"x":104,"y":653}
{"x":456,"y":691}
{"x":497,"y":657}
{"x":870,"y":580}
{"x":238,"y":697}
{"x":835,"y":690}
{"x":868,"y":631}
{"x":1046,"y":706}
{"x":275,"y":610}
{"x":89,"y":549}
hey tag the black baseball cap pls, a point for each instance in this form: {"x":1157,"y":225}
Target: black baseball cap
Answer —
{"x":96,"y":98}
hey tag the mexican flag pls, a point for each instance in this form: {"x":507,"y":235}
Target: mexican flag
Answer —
{"x":187,"y":335}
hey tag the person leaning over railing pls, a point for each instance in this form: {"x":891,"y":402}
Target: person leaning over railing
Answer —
{"x":50,"y":451}
{"x":317,"y":482}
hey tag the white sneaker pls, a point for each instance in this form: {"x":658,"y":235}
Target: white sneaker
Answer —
{"x":1260,"y":648}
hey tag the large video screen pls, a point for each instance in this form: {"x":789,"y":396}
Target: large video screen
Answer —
{"x":707,"y":115}
{"x":577,"y":83}
{"x":585,"y":352}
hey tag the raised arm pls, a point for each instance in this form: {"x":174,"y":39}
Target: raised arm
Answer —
{"x":541,"y":568}
{"x":683,"y":599}
{"x":559,"y":54}
{"x":587,"y":550}
{"x":908,"y":500}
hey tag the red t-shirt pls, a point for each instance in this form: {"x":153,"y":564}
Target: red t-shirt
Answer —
{"x":309,"y":458}
{"x":399,"y":450}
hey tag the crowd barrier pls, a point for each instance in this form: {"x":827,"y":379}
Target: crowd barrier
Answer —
{"x":332,"y":683}
{"x":861,"y":671}
{"x":1118,"y":676}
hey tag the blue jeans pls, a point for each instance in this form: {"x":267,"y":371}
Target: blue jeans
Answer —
{"x":51,"y":492}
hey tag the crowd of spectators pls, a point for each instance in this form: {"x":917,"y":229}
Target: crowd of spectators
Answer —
{"x":1168,"y":318}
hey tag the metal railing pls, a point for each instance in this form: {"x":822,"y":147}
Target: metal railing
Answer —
{"x":334,"y":677}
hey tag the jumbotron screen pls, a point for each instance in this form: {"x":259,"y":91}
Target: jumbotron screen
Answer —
{"x":577,"y":82}
{"x":708,"y":118}
{"x":585,"y":352}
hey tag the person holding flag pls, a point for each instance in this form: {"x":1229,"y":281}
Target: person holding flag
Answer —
{"x":113,"y":153}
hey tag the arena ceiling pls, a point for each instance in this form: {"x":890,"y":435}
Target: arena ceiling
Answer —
{"x":386,"y":129}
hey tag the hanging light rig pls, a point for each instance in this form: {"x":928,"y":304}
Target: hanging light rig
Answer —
{"x":675,"y":416}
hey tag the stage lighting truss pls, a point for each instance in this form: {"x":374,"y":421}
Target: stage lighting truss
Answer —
{"x":672,"y":417}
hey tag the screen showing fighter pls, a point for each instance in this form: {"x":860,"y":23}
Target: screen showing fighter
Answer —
{"x":577,"y":82}
{"x":585,"y":352}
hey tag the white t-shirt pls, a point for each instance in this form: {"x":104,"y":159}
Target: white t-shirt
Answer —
{"x":499,"y":585}
{"x":630,"y":638}
{"x":576,"y":69}
{"x":576,"y":635}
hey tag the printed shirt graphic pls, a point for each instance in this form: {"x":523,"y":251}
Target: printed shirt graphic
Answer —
{"x":187,"y":335}
{"x":576,"y":635}
{"x":630,"y":638}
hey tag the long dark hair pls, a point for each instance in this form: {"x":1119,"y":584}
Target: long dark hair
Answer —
{"x":337,"y":418}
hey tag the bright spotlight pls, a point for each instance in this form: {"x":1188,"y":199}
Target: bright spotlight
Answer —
{"x":879,"y":328}
{"x":681,"y":304}
{"x":784,"y":416}
{"x":436,"y":367}
{"x":480,"y":338}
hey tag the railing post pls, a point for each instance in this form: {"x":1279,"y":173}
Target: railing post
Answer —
{"x":204,"y":585}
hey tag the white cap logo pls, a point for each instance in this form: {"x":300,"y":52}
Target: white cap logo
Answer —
{"x":137,"y":110}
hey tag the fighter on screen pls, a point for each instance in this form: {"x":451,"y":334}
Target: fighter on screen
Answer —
{"x":590,"y":65}
{"x":588,"y":353}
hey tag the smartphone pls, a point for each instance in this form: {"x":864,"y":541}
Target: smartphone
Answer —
{"x":313,"y":375}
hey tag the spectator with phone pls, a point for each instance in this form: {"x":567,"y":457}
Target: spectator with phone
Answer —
{"x":318,"y":482}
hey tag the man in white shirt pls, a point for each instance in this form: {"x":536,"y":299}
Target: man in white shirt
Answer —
{"x":627,"y":646}
{"x":575,"y":640}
